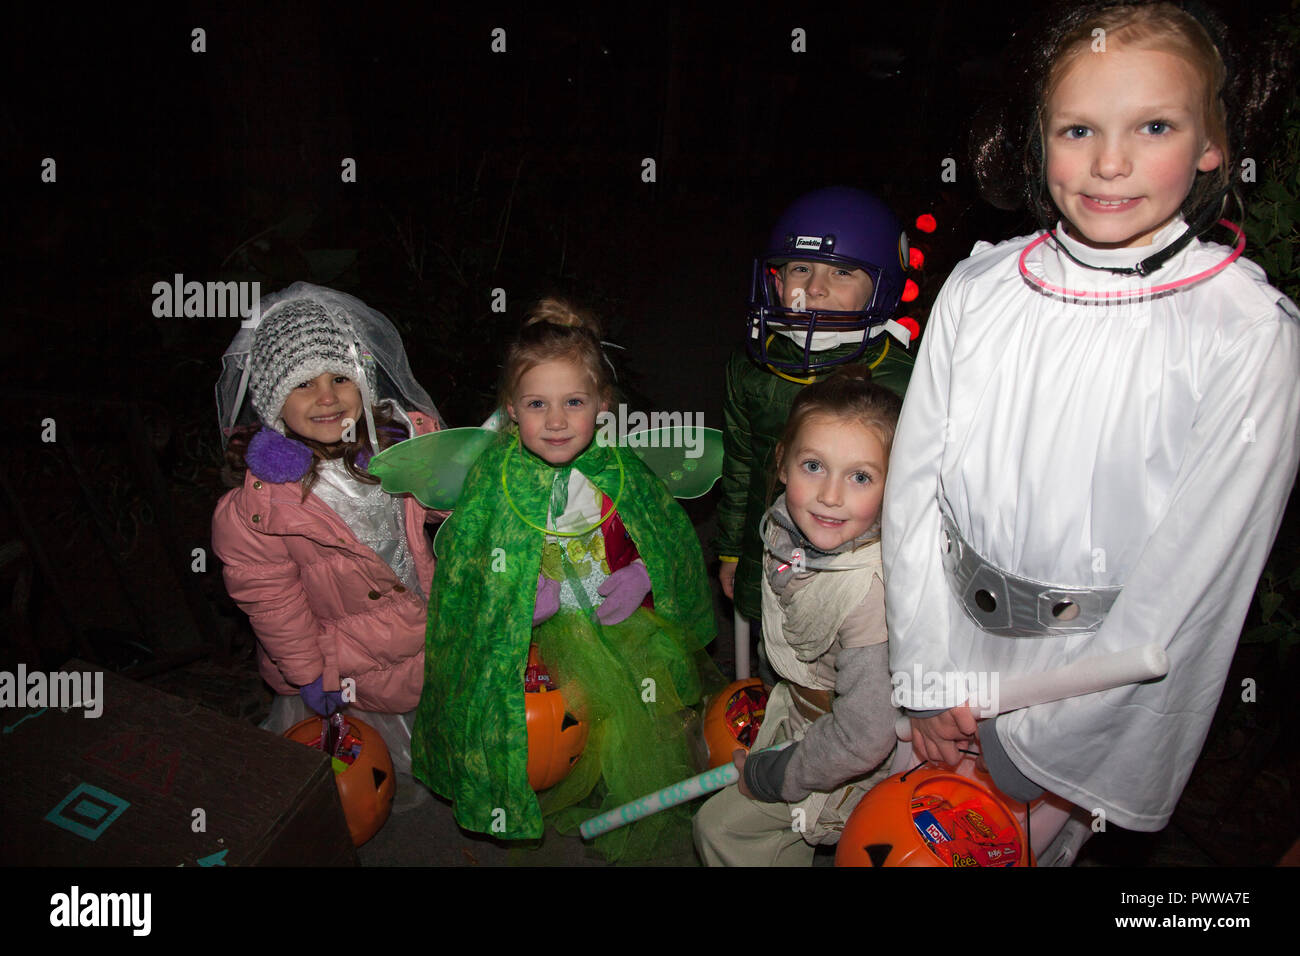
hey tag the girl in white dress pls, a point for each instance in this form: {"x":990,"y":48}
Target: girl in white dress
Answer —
{"x":1099,"y":437}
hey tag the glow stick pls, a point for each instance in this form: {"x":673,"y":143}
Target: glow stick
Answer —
{"x":671,"y":796}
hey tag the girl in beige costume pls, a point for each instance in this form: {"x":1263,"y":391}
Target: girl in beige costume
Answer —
{"x":824,"y":633}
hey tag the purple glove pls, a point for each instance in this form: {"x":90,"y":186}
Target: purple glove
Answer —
{"x":548,"y":599}
{"x":322,"y":701}
{"x":623,"y":591}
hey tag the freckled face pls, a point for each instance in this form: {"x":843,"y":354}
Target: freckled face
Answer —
{"x":556,"y":406}
{"x":1125,"y":137}
{"x":834,"y":475}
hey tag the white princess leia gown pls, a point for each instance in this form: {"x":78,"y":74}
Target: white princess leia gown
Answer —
{"x":1148,"y":444}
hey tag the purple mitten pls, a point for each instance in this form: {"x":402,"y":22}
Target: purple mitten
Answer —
{"x":323,"y":702}
{"x":548,"y":599}
{"x":623,"y":591}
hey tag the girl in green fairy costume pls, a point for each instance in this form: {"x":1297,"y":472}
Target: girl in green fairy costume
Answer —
{"x":562,"y":542}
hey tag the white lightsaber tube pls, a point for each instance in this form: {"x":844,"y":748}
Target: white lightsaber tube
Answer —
{"x":652,"y":803}
{"x":1088,"y":676}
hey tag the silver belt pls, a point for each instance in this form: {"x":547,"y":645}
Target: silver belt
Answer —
{"x":1011,"y":606}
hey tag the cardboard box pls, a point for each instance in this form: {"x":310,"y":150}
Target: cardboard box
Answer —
{"x":155,"y":780}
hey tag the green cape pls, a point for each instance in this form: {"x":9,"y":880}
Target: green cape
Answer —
{"x":470,"y":741}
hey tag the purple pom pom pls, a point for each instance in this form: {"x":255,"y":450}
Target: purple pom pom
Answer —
{"x":275,"y":458}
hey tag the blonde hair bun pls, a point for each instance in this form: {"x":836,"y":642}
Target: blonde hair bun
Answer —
{"x":561,"y":312}
{"x":556,"y":330}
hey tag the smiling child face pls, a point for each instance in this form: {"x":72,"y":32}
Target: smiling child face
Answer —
{"x":1125,"y":136}
{"x":805,"y":286}
{"x":322,"y":407}
{"x":834,"y":475}
{"x":556,"y":405}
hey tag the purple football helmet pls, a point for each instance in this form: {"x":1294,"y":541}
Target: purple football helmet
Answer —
{"x":841,"y":226}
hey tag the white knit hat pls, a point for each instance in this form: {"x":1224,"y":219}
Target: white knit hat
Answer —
{"x":300,"y":333}
{"x":296,"y":342}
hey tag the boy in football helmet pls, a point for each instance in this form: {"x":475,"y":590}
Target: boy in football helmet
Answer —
{"x":823,"y":295}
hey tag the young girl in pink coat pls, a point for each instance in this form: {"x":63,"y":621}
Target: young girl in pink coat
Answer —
{"x":333,"y":572}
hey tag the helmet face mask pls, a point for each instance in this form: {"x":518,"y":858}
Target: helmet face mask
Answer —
{"x":845,"y":228}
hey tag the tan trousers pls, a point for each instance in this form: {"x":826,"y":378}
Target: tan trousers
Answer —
{"x":733,"y":830}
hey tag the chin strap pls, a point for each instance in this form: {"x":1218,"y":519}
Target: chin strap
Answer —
{"x":894,"y":328}
{"x":884,"y":350}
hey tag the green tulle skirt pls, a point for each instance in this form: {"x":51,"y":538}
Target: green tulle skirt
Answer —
{"x":634,"y":684}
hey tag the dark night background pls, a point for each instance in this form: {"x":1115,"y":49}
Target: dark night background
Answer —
{"x":475,"y":170}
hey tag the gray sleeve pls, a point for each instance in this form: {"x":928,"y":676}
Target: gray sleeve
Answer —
{"x":764,"y":772}
{"x":858,"y":733}
{"x":1004,"y":773}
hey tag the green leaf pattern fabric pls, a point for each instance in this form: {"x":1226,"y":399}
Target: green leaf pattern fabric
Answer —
{"x":470,"y":738}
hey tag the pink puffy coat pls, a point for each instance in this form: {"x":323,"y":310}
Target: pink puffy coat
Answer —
{"x":319,"y":600}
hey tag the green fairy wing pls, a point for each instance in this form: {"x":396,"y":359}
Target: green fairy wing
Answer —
{"x":687,"y":460}
{"x":432,"y":467}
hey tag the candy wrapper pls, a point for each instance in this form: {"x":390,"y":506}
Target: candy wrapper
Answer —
{"x":963,"y":835}
{"x":745,"y":716}
{"x":963,"y":852}
{"x":339,"y":741}
{"x":536,"y":676}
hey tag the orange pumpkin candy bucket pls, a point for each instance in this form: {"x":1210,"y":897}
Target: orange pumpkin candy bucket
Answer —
{"x":556,"y":738}
{"x":363,"y":771}
{"x":732,"y":719}
{"x":932,"y":817}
